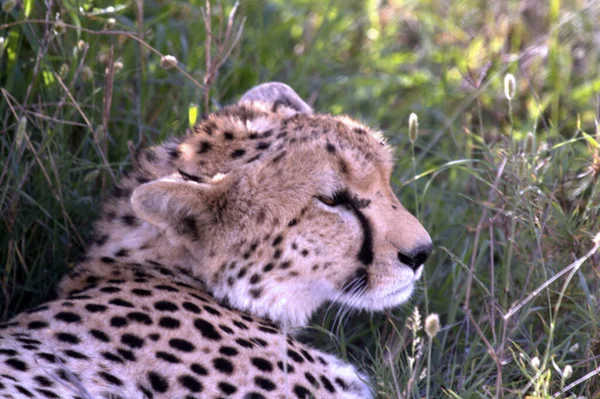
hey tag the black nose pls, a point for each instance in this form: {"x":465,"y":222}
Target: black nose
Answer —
{"x":417,"y":257}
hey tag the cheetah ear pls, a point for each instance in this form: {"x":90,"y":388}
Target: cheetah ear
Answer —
{"x":277,"y":94}
{"x":178,"y":206}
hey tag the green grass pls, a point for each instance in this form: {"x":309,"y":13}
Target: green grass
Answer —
{"x":506,"y":216}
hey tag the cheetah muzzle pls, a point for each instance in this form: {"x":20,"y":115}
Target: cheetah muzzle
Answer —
{"x":208,"y":247}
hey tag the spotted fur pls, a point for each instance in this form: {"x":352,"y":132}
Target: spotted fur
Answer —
{"x":210,"y":246}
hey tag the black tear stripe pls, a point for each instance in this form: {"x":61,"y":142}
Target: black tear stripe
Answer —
{"x":365,"y":255}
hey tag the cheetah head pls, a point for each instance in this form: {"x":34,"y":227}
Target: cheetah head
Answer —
{"x":280,"y":210}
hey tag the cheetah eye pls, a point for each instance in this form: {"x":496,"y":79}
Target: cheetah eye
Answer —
{"x":327,"y":201}
{"x":339,"y":198}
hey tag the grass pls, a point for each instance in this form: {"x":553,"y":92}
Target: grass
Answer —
{"x":514,"y":276}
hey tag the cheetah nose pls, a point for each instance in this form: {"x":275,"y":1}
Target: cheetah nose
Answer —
{"x":417,"y":257}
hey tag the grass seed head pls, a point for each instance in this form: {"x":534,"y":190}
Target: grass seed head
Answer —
{"x":110,"y":23}
{"x":413,"y":127}
{"x":432,"y":325}
{"x":530,"y":143}
{"x":567,"y":372}
{"x":87,"y":74}
{"x":8,"y":5}
{"x":63,"y":71}
{"x":168,"y":62}
{"x":509,"y":86}
{"x":60,"y":27}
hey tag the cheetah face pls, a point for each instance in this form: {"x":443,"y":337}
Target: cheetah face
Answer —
{"x":287,"y":210}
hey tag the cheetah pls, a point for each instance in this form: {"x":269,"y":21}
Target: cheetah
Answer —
{"x":210,"y":249}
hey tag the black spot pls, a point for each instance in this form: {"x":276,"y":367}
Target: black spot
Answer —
{"x":277,"y":240}
{"x":139,"y":317}
{"x":37,"y":325}
{"x":169,"y":322}
{"x":254,"y":395}
{"x":68,"y":338}
{"x":8,"y":352}
{"x":95,"y":308}
{"x":227,"y":135}
{"x":75,"y":355}
{"x":207,"y":329}
{"x":110,"y":378}
{"x":110,"y":289}
{"x":307,"y":355}
{"x":118,"y":321}
{"x":188,"y":177}
{"x":256,"y":293}
{"x":100,"y":241}
{"x":198,"y":369}
{"x":342,"y":384}
{"x":285,"y":265}
{"x":122,"y":252}
{"x":146,"y":392}
{"x":223,"y":365}
{"x":292,"y":222}
{"x":154,"y":337}
{"x":304,"y":252}
{"x":255,"y":278}
{"x":295,"y":356}
{"x":121,"y":302}
{"x":189,"y":382}
{"x":285,"y":368}
{"x":166,"y":306}
{"x":311,"y":379}
{"x":190,"y":307}
{"x":181,"y":344}
{"x":228,"y":351}
{"x":68,"y":317}
{"x":268,"y":267}
{"x":330,"y":148}
{"x":226,"y":329}
{"x":158,"y":382}
{"x":167,"y":357}
{"x":327,"y":384}
{"x":238,"y":153}
{"x":129,"y":220}
{"x":205,"y":147}
{"x":127,"y":354}
{"x":24,"y":391}
{"x":99,"y":335}
{"x":133,"y":341}
{"x":212,"y":311}
{"x":227,"y":388}
{"x":279,"y":157}
{"x":166,"y":288}
{"x":16,"y":364}
{"x":174,"y":153}
{"x":262,"y":145}
{"x":112,"y":357}
{"x":244,"y":343}
{"x":141,"y":292}
{"x":301,"y":392}
{"x":262,"y":364}
{"x":264,"y":383}
{"x":43,"y":381}
{"x":47,"y":357}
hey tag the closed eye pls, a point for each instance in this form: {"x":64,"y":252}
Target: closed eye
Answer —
{"x":339,"y":198}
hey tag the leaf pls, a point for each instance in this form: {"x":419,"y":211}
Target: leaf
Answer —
{"x":591,"y":141}
{"x":193,"y":114}
{"x":27,"y":6}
